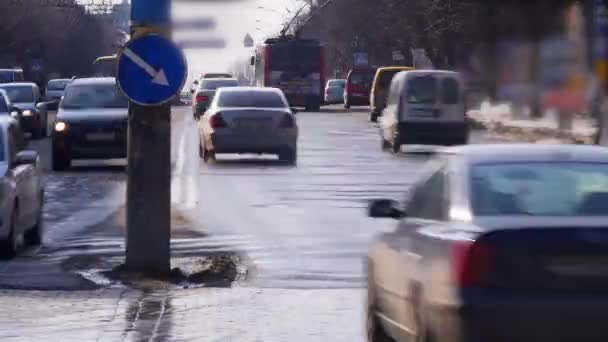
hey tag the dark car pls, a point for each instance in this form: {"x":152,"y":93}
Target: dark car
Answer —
{"x":495,"y":243}
{"x":33,"y":113}
{"x":91,"y":122}
{"x":203,"y":96}
{"x":11,"y":75}
{"x":358,"y":85}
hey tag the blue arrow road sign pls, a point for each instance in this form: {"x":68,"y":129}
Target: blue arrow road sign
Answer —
{"x":151,"y":70}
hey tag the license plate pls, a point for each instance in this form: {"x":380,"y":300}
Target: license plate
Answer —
{"x":100,"y":136}
{"x":579,"y":266}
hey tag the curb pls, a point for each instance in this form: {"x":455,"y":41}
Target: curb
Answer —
{"x":532,"y":134}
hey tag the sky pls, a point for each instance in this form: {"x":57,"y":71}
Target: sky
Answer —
{"x":236,"y":18}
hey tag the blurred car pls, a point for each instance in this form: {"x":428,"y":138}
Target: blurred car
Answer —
{"x":34,"y":116}
{"x":424,"y":107}
{"x":54,"y":91}
{"x":203,"y":96}
{"x":334,"y":91}
{"x":495,"y":243}
{"x":249,"y":120}
{"x":11,"y":75}
{"x":358,"y":85}
{"x":379,"y":89}
{"x":21,"y":190}
{"x":91,"y":122}
{"x":56,"y":88}
{"x":217,"y":75}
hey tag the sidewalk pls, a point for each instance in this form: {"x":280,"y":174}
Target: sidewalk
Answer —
{"x":500,"y":120}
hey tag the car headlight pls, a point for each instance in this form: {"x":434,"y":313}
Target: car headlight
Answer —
{"x":28,"y":112}
{"x":60,"y":126}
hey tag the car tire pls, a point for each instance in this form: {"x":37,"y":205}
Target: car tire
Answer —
{"x":396,"y":145}
{"x":346,"y":105}
{"x":61,"y":160}
{"x":33,"y":237}
{"x":374,"y":331}
{"x":385,"y":145}
{"x":289,"y":156}
{"x":9,"y":246}
{"x":373,"y":117}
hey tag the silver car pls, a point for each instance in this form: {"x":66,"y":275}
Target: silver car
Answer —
{"x":55,"y":89}
{"x":21,"y":190}
{"x":249,"y":120}
{"x":495,"y":243}
{"x":334,"y":91}
{"x":204,"y":94}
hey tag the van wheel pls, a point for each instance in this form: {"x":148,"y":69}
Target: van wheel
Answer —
{"x":347,"y":105}
{"x":385,"y":145}
{"x":9,"y":246}
{"x":373,"y":117}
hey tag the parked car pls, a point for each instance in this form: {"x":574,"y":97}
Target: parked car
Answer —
{"x":379,"y":90}
{"x":334,"y":91}
{"x":21,"y":190}
{"x":424,"y":107}
{"x":11,"y":75}
{"x":249,"y":120}
{"x":34,"y":116}
{"x":91,"y":122}
{"x":358,"y":85}
{"x":205,"y":92}
{"x":495,"y":243}
{"x":55,"y":89}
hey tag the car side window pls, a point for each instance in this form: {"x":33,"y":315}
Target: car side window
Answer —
{"x":429,"y":200}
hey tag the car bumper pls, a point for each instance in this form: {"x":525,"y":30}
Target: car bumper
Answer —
{"x":432,"y":132}
{"x":78,"y":143}
{"x":304,"y":100}
{"x":234,"y":142}
{"x":331,"y":99}
{"x":513,"y":319}
{"x":358,"y":100}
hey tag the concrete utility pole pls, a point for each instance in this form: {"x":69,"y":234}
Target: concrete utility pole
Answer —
{"x":149,"y":156}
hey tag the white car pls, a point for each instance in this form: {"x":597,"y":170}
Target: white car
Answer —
{"x":249,"y":120}
{"x":21,"y":190}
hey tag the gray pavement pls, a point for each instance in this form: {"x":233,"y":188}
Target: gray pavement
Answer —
{"x":302,"y":228}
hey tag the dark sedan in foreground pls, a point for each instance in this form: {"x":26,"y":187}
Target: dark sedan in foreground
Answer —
{"x":495,"y":243}
{"x":91,"y":122}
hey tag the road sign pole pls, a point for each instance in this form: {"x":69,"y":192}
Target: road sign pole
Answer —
{"x":149,"y":149}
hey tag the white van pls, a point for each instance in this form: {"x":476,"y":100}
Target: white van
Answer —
{"x":425,"y":107}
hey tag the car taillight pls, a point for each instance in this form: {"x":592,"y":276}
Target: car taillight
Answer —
{"x":217,"y":121}
{"x":287,"y":122}
{"x":201,"y":98}
{"x":472,"y":263}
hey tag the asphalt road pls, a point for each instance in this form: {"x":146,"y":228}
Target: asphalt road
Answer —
{"x":303,"y":229}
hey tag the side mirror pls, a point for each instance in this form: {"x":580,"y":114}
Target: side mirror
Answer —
{"x":16,"y":112}
{"x":26,"y":158}
{"x":293,"y":110}
{"x":385,"y":208}
{"x":252,"y":61}
{"x":192,"y":91}
{"x":195,"y":82}
{"x":41,"y":105}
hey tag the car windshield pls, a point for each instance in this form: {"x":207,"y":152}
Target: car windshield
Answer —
{"x":217,"y":76}
{"x":386,"y":77}
{"x":86,"y":96}
{"x":336,"y":83}
{"x":540,"y":189}
{"x":422,"y":90}
{"x":364,"y":79}
{"x":215,"y":84}
{"x":57,"y":85}
{"x":7,"y":76}
{"x":19,"y":93}
{"x":264,"y":99}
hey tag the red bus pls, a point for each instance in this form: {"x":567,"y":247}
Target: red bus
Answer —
{"x":296,"y":66}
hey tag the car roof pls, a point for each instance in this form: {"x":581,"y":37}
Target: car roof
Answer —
{"x":250,"y":89}
{"x":17,"y":84}
{"x":395,"y":68}
{"x":94,"y":80}
{"x":19,"y":70}
{"x":496,"y":153}
{"x":220,"y":79}
{"x":431,"y":71}
{"x":60,"y":79}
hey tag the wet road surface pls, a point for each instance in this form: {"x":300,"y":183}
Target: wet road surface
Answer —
{"x":303,"y":229}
